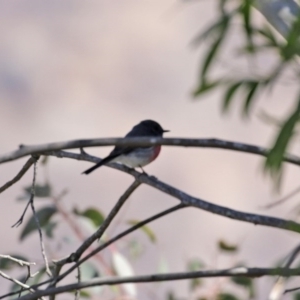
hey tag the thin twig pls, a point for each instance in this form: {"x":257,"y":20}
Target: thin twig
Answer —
{"x":98,"y":234}
{"x":20,"y":221}
{"x":76,"y":230}
{"x":24,"y":169}
{"x":16,"y":281}
{"x":278,"y":288}
{"x":237,"y":272}
{"x":38,"y":222}
{"x":106,"y":244}
{"x":282,"y":200}
{"x":77,"y":292}
{"x":134,"y":142}
{"x":18,"y":261}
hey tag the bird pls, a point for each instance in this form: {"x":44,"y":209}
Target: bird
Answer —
{"x":134,"y":157}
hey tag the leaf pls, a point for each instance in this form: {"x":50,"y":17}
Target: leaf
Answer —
{"x":246,"y":15}
{"x":41,"y":191}
{"x":231,"y":90}
{"x":15,"y":287}
{"x":44,"y":215}
{"x":123,"y":268}
{"x":296,"y":296}
{"x":267,"y":33}
{"x":212,"y":29}
{"x":150,"y":234}
{"x":88,"y":271}
{"x":213,"y":49}
{"x":163,"y":266}
{"x":135,"y":248}
{"x":92,"y":214}
{"x":206,"y":86}
{"x":7,"y":264}
{"x":252,"y":86}
{"x":224,"y":246}
{"x":49,"y":229}
{"x":275,"y":157}
{"x":192,"y":266}
{"x":246,"y":283}
{"x":226,"y":296}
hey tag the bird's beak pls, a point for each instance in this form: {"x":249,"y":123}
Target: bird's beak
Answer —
{"x":166,"y":130}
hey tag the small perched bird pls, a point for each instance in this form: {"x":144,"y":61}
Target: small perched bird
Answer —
{"x":134,"y":157}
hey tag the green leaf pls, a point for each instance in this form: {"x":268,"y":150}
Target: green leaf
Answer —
{"x":213,"y":49}
{"x":275,"y":157}
{"x":135,"y":248}
{"x":231,"y":90}
{"x":292,"y":47}
{"x":212,"y":29}
{"x":226,"y":296}
{"x":41,"y":191}
{"x":224,"y":246}
{"x":44,"y":215}
{"x":206,"y":86}
{"x":88,"y":271}
{"x":192,"y":266}
{"x":252,"y":86}
{"x":7,"y":264}
{"x":246,"y":15}
{"x":49,"y":229}
{"x":267,"y":33}
{"x":15,"y":287}
{"x":246,"y":283}
{"x":145,"y":229}
{"x":296,"y":296}
{"x":92,"y":214}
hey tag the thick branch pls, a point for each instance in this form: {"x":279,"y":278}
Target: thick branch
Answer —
{"x":240,"y":272}
{"x":202,"y":143}
{"x":188,"y":200}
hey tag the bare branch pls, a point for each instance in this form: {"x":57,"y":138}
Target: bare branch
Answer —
{"x":188,"y":200}
{"x":240,"y":272}
{"x":278,"y":288}
{"x":106,"y":244}
{"x":21,"y":284}
{"x":77,"y":292}
{"x":98,"y":234}
{"x":25,"y":168}
{"x":38,"y":222}
{"x":282,"y":200}
{"x":202,"y":143}
{"x":18,"y":261}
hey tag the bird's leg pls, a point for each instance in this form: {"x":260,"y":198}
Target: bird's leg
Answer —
{"x":144,"y":173}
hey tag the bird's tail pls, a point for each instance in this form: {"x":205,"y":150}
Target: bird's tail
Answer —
{"x":99,"y":164}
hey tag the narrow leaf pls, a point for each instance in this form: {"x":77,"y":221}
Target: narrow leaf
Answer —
{"x":92,"y":214}
{"x":274,"y":159}
{"x":252,"y":87}
{"x":44,"y":215}
{"x":246,"y":283}
{"x":206,"y":86}
{"x":226,"y":296}
{"x":150,"y":234}
{"x":224,"y":246}
{"x":228,"y":97}
{"x":123,"y":268}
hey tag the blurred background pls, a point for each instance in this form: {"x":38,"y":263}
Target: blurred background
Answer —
{"x":88,"y":69}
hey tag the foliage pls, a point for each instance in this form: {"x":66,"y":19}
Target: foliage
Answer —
{"x":258,"y":39}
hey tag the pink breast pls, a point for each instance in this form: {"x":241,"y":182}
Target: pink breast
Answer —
{"x":156,"y":151}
